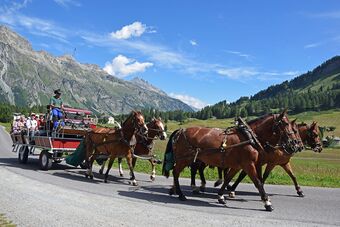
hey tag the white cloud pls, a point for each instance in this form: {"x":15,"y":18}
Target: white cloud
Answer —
{"x":236,"y":73}
{"x":122,"y":66}
{"x":327,"y":15}
{"x":191,"y":101}
{"x":247,"y":73}
{"x":135,"y":29}
{"x":11,"y":16}
{"x":237,"y":53}
{"x":193,"y":42}
{"x":67,"y":3}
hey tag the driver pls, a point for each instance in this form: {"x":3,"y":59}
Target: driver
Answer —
{"x":56,"y":107}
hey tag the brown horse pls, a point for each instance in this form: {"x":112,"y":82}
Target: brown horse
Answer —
{"x":228,"y":149}
{"x":144,"y":146}
{"x":309,"y":135}
{"x":114,"y":143}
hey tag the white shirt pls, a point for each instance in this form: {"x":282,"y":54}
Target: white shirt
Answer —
{"x":28,"y":123}
{"x":34,"y":124}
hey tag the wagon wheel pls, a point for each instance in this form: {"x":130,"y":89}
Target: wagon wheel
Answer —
{"x":45,"y":160}
{"x":23,"y":154}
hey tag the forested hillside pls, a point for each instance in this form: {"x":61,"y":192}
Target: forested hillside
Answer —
{"x":315,"y":90}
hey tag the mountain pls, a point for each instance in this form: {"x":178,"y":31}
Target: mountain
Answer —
{"x":315,"y":90}
{"x":28,"y":78}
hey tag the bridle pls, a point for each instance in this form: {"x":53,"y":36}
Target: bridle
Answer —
{"x":288,"y":146}
{"x":311,"y":139}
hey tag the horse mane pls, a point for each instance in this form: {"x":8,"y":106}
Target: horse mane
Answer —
{"x":259,"y":118}
{"x":128,"y":117}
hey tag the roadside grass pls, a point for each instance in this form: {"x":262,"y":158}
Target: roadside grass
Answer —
{"x":7,"y":126}
{"x":4,"y":222}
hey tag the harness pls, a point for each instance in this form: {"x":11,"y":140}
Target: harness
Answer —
{"x":223,"y":148}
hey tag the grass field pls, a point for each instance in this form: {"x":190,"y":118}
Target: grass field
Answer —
{"x":4,"y":222}
{"x":312,"y":169}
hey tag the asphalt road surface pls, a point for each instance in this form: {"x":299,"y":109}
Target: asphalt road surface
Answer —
{"x":64,"y":197}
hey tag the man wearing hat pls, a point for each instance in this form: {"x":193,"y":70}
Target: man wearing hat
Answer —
{"x":56,"y":107}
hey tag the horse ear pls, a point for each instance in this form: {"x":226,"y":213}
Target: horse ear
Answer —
{"x":293,"y":121}
{"x":159,"y":118}
{"x":284,"y":112}
{"x":313,"y":124}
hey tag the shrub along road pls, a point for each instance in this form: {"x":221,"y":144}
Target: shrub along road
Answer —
{"x":62,"y":196}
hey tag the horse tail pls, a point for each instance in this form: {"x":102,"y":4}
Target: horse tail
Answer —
{"x":169,"y":160}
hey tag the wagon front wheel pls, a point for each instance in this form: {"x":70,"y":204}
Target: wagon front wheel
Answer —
{"x":45,"y":160}
{"x":23,"y":154}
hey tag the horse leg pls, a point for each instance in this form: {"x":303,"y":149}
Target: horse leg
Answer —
{"x":267,"y":171}
{"x":132,"y":178}
{"x":193,"y":171}
{"x":89,"y":172}
{"x":153,"y":172}
{"x":227,"y":178}
{"x":120,"y":168}
{"x":101,"y":170}
{"x":289,"y":170}
{"x":201,"y":172}
{"x":232,"y":188}
{"x":176,"y":187}
{"x":109,"y":166}
{"x":220,"y":181}
{"x":252,"y":173}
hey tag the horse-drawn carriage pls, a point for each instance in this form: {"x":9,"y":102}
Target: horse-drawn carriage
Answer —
{"x":53,"y":145}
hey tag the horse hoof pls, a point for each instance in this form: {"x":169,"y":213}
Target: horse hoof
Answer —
{"x":196,"y":192}
{"x":269,"y":208}
{"x":222,"y":201}
{"x":121,"y":175}
{"x":105,"y":181}
{"x":86,"y":176}
{"x":134,"y":183}
{"x":152,"y":178}
{"x":300,"y":193}
{"x":171,"y":191}
{"x":202,"y":189}
{"x":231,"y":194}
{"x":91,"y":177}
{"x":217,"y":183}
{"x":182,"y":198}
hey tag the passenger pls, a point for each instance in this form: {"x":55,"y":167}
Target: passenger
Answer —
{"x":21,"y":123}
{"x":56,"y":107}
{"x":34,"y":125}
{"x":41,"y":122}
{"x":16,"y":128}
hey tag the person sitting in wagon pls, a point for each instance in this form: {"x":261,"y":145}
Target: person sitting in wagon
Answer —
{"x":56,"y":107}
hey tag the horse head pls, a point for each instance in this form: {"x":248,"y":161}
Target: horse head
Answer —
{"x":313,"y":138}
{"x":135,"y":121}
{"x":275,"y":131}
{"x":289,"y":139}
{"x":156,"y":129}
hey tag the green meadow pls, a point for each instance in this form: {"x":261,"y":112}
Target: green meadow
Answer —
{"x":312,"y":169}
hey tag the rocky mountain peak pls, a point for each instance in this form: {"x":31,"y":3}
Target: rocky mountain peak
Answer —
{"x":11,"y":38}
{"x":145,"y":84}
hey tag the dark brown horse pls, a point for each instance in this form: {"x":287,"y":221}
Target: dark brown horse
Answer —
{"x":114,"y":143}
{"x":144,"y":146}
{"x":228,"y":149}
{"x":309,"y":135}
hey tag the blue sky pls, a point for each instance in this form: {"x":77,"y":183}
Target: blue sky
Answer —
{"x":201,"y":52}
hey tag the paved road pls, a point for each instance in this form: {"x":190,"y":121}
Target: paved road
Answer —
{"x":62,"y":197}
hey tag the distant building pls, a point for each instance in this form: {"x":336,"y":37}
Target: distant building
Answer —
{"x":110,"y":120}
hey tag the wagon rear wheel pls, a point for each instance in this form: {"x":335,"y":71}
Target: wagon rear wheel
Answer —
{"x":23,"y":154}
{"x":45,"y":160}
